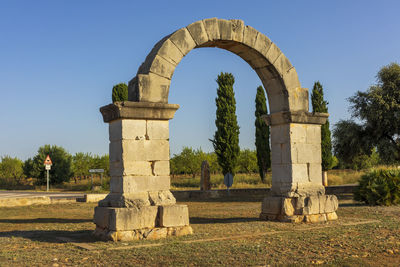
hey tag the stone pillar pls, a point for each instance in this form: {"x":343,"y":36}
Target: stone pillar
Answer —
{"x":140,"y":204}
{"x":297,"y":193}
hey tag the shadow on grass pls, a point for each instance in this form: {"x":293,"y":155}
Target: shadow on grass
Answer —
{"x":45,"y":220}
{"x":202,"y":220}
{"x":51,"y":236}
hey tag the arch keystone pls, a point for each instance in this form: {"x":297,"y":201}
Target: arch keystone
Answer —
{"x":212,"y":29}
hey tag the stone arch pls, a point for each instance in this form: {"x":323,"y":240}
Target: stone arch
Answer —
{"x":279,"y":77}
{"x":141,"y":205}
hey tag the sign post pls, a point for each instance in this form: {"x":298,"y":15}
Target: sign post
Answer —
{"x":47,"y":165}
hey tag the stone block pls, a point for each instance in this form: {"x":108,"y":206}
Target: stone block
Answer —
{"x":258,"y":63}
{"x":170,"y":52}
{"x":298,"y":132}
{"x":331,"y":204}
{"x":180,"y":231}
{"x":174,"y":215}
{"x":158,"y":129}
{"x":315,"y":173}
{"x":212,"y":29}
{"x":313,"y":134}
{"x":277,"y":101}
{"x":183,"y":40}
{"x":282,"y":172}
{"x":266,"y":73}
{"x":124,"y":219}
{"x":288,"y":206}
{"x":132,"y":184}
{"x":162,"y":67}
{"x":262,"y":44}
{"x":152,"y":88}
{"x":287,"y":154}
{"x":307,"y":153}
{"x":157,"y":233}
{"x":237,"y":30}
{"x":161,"y":168}
{"x":198,"y":32}
{"x":331,"y":216}
{"x":164,"y":197}
{"x":115,"y":149}
{"x":273,"y":53}
{"x":291,"y":79}
{"x":315,"y":218}
{"x":132,"y":150}
{"x":282,"y":64}
{"x":271,"y":205}
{"x":311,"y":205}
{"x":124,"y":168}
{"x":276,"y":154}
{"x":249,"y":36}
{"x":157,"y":149}
{"x":299,"y":173}
{"x":225,"y":29}
{"x":280,"y":134}
{"x":298,"y":99}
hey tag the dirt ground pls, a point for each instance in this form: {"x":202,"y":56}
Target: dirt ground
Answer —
{"x":226,"y":232}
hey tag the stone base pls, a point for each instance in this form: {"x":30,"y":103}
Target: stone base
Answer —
{"x":146,"y":233}
{"x":311,"y":209}
{"x":114,"y":223}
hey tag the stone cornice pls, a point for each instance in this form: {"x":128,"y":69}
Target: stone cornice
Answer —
{"x":138,"y":110}
{"x":285,"y":117}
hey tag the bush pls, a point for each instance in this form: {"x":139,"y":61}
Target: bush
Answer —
{"x":120,"y":92}
{"x":379,"y":187}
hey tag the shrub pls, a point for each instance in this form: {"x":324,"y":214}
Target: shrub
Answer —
{"x":379,"y":187}
{"x":120,"y":92}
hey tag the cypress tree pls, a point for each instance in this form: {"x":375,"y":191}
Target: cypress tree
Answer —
{"x":226,"y":137}
{"x":120,"y":92}
{"x":320,"y":105}
{"x":262,"y":134}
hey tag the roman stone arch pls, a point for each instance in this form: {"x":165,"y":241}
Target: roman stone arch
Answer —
{"x":140,"y":204}
{"x":279,"y":77}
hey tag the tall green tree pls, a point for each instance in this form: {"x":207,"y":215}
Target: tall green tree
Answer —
{"x":226,"y":137}
{"x":321,"y":106}
{"x":61,"y":170}
{"x":120,"y":92}
{"x":262,"y":134}
{"x":378,"y":109}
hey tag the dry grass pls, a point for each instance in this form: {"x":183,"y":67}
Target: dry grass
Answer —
{"x":227,"y":232}
{"x":341,"y":177}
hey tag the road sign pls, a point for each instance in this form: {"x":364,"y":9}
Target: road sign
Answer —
{"x":228,"y":180}
{"x":96,"y":170}
{"x":47,"y":164}
{"x":47,"y":161}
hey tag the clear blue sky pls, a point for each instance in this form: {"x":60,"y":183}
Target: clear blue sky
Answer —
{"x":60,"y":59}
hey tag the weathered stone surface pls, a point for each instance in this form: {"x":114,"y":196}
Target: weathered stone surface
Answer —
{"x":170,"y":52}
{"x":161,"y":168}
{"x":157,"y":233}
{"x":127,"y":168}
{"x":249,"y":36}
{"x":174,"y":215}
{"x":311,"y":205}
{"x":273,"y":53}
{"x":262,"y":44}
{"x":298,"y":99}
{"x":315,"y":218}
{"x":164,"y":197}
{"x":331,"y":216}
{"x":123,"y":219}
{"x":152,"y":88}
{"x":237,"y":30}
{"x":138,"y":110}
{"x":225,"y":29}
{"x":125,"y":200}
{"x":212,"y":28}
{"x":162,"y":67}
{"x":282,"y":64}
{"x":271,"y":205}
{"x":183,"y":40}
{"x":288,"y":206}
{"x":331,"y":204}
{"x":158,"y":129}
{"x":198,"y":32}
{"x":139,"y":150}
{"x":127,"y":129}
{"x":129,"y":184}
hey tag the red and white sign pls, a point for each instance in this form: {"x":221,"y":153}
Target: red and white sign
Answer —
{"x":47,"y":161}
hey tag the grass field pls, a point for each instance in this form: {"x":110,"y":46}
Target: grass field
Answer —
{"x":226,"y":232}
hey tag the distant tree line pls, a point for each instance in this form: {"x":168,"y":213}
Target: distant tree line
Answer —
{"x":65,"y":167}
{"x":188,"y":162}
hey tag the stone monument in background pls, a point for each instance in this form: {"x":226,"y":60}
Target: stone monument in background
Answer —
{"x":205,"y":176}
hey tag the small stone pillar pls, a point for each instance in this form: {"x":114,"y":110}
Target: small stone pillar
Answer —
{"x":205,"y":176}
{"x":140,"y":204}
{"x":297,"y":193}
